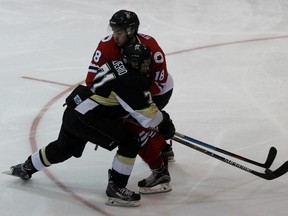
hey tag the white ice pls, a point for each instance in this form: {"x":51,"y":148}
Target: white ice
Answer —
{"x":229,"y":60}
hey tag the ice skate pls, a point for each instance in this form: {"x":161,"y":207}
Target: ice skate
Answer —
{"x":157,"y":182}
{"x":120,"y":196}
{"x":23,"y":171}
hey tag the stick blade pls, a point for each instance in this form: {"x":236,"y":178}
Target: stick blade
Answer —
{"x":270,"y":175}
{"x":271,"y":157}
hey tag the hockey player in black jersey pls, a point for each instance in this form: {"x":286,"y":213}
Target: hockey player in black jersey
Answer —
{"x":96,"y":114}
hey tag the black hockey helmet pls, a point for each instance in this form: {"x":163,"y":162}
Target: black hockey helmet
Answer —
{"x":126,"y":20}
{"x":135,"y":54}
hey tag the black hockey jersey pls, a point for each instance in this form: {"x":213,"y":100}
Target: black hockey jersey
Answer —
{"x":116,"y":92}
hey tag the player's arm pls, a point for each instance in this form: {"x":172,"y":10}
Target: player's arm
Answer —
{"x":148,"y":115}
{"x":151,"y":117}
{"x":158,"y":73}
{"x":99,"y":58}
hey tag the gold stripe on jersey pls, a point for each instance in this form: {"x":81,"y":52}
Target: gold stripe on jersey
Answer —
{"x":150,"y":111}
{"x":109,"y":101}
{"x":147,"y":117}
{"x":44,"y":157}
{"x":125,"y":160}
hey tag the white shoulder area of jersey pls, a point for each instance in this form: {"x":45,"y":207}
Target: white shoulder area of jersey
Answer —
{"x":107,"y":38}
{"x":104,"y":69}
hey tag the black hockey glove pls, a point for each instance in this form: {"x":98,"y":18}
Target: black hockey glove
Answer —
{"x":166,"y":127}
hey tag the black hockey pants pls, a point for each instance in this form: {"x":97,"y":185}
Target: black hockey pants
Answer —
{"x":105,"y":132}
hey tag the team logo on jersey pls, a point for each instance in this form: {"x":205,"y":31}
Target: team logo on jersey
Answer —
{"x":158,"y":57}
{"x":77,"y":99}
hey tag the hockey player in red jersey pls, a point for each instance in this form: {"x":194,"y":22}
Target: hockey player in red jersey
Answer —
{"x":125,"y":26}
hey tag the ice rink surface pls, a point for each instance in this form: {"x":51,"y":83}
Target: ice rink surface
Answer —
{"x":229,"y":60}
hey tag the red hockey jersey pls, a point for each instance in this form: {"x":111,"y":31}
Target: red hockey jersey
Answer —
{"x":108,"y":50}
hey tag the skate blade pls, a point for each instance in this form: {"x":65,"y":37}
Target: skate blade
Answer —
{"x":161,"y":188}
{"x":8,"y":172}
{"x":121,"y":203}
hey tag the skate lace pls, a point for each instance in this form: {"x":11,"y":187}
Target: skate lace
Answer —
{"x":125,"y":192}
{"x":25,"y":167}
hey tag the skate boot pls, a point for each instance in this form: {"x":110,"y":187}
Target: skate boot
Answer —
{"x":121,"y":196}
{"x":23,"y":171}
{"x":157,"y":182}
{"x":168,"y":153}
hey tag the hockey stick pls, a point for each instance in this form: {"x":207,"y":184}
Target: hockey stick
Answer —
{"x":270,"y":158}
{"x":268,"y":175}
